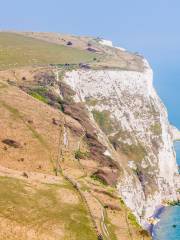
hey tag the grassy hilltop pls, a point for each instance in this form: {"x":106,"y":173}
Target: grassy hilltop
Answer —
{"x":17,"y":50}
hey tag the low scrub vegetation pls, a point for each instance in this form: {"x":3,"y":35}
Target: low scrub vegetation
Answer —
{"x":132,"y":219}
{"x":45,"y":95}
{"x":156,"y":129}
{"x":39,"y":97}
{"x":80,"y":154}
{"x":99,"y":179}
{"x":137,"y":151}
{"x":103,"y":120}
{"x":122,"y":135}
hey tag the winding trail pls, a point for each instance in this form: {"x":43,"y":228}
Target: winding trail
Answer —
{"x":87,"y":197}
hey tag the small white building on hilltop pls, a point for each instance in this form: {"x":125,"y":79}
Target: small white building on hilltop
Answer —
{"x":110,"y":44}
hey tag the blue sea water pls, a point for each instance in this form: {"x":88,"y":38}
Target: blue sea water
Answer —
{"x":169,"y":226}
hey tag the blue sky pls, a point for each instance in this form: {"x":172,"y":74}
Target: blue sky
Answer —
{"x":148,"y":27}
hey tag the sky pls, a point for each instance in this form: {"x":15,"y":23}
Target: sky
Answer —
{"x":150,"y":27}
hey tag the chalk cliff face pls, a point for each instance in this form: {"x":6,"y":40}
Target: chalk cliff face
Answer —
{"x":132,"y":122}
{"x":176,"y":133}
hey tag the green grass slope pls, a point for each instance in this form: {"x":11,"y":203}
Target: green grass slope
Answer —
{"x":17,"y":50}
{"x":42,"y":211}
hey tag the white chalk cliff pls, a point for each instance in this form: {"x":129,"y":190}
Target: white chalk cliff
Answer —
{"x":176,"y":133}
{"x":139,"y":136}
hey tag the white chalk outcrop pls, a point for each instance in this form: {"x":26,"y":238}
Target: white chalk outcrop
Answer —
{"x":176,"y":133}
{"x":139,"y":128}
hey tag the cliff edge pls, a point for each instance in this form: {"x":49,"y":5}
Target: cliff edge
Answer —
{"x":134,"y":125}
{"x":82,"y":128}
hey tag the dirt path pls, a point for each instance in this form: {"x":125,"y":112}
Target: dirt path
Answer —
{"x":94,"y":206}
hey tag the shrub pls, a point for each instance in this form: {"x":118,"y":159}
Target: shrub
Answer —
{"x":39,"y":97}
{"x":144,"y":233}
{"x":99,"y":179}
{"x":40,"y":93}
{"x":81,"y":155}
{"x":25,"y":175}
{"x":69,"y":43}
{"x":11,"y":143}
{"x":61,"y":104}
{"x":41,"y":90}
{"x":132,"y":219}
{"x":122,"y":201}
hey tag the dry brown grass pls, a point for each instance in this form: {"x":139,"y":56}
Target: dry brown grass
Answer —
{"x":29,"y":122}
{"x":29,"y":211}
{"x":107,"y":57}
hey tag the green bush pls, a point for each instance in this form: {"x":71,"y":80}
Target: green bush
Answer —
{"x":61,"y":104}
{"x":81,"y":155}
{"x":39,"y":97}
{"x":99,"y":179}
{"x":132,"y":219}
{"x":40,"y":93}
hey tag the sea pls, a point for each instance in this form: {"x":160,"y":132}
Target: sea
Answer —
{"x":169,"y":226}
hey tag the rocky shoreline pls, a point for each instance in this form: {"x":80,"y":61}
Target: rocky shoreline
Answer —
{"x":152,"y":221}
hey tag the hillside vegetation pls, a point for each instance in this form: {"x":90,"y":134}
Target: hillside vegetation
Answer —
{"x":42,"y":211}
{"x":55,"y":181}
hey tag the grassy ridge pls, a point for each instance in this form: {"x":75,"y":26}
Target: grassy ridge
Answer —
{"x":17,"y":50}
